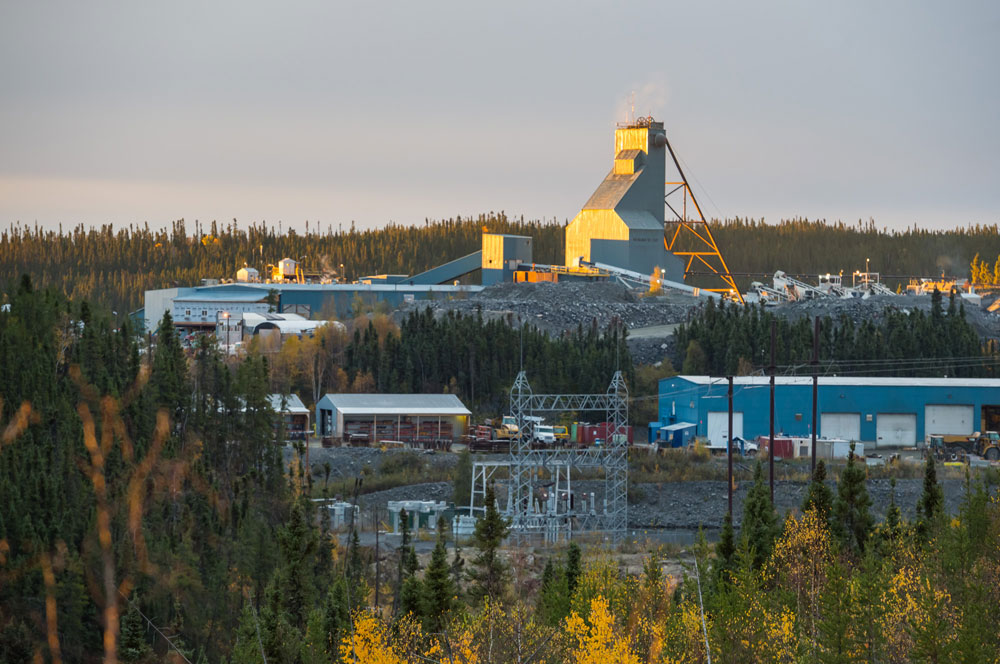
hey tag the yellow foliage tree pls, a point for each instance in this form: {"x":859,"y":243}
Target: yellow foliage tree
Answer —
{"x":368,"y":643}
{"x":799,"y":561}
{"x":598,"y":642}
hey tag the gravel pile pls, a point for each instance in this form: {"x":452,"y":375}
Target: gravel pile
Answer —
{"x":688,"y":505}
{"x":561,"y":307}
{"x":874,"y":308}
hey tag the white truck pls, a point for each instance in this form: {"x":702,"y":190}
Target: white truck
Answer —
{"x":544,"y":434}
{"x":742,"y":447}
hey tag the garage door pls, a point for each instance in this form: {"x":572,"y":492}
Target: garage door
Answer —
{"x":896,"y":430}
{"x":845,"y":426}
{"x":958,"y":420}
{"x":718,"y":427}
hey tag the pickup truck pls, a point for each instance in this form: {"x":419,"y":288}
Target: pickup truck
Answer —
{"x":743,"y":447}
{"x":544,"y":434}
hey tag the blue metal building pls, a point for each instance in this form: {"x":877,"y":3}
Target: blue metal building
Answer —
{"x":878,"y":411}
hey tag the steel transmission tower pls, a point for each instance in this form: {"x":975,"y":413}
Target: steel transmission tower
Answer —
{"x":532,"y":467}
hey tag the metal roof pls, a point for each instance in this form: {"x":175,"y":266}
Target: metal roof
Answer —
{"x":679,"y":425}
{"x":640,"y":220}
{"x":293,"y":404}
{"x":224,"y":296}
{"x":396,"y":404}
{"x":859,"y":381}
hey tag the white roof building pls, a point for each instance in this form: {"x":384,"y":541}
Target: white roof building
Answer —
{"x":404,"y":417}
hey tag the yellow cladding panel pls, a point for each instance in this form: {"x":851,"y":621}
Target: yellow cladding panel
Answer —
{"x":492,"y":251}
{"x":635,"y":138}
{"x":624,"y":166}
{"x":592,"y":224}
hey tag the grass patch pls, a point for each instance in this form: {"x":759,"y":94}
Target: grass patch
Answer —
{"x":394,"y":470}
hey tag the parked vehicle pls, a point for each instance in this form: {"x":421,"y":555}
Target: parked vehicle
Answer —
{"x":742,"y":447}
{"x":544,"y":434}
{"x":953,"y":448}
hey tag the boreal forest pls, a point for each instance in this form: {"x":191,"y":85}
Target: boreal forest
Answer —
{"x":148,"y":515}
{"x":115,"y":266}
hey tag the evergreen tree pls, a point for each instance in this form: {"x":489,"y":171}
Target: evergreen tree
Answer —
{"x":760,"y":521}
{"x":931,"y":504}
{"x":132,"y":643}
{"x":834,"y":627}
{"x":491,"y":573}
{"x":818,"y":494}
{"x":314,"y":647}
{"x":553,"y":595}
{"x":357,"y":577}
{"x":463,"y":479}
{"x":438,"y":584}
{"x":298,"y":542}
{"x":336,"y":618}
{"x":851,"y":521}
{"x":412,"y":597}
{"x":457,"y":569}
{"x":573,"y":567}
{"x":725,"y":550}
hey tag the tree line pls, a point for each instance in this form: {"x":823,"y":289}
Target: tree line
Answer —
{"x":113,"y":267}
{"x":730,"y":339}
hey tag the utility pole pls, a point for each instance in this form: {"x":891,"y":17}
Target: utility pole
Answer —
{"x":378,"y":560}
{"x":815,"y":368}
{"x":770,"y":444}
{"x":730,"y":475}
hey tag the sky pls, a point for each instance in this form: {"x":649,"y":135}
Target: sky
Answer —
{"x":378,"y":112}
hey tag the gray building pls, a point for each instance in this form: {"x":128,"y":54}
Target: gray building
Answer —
{"x":407,"y":418}
{"x":622,"y":223}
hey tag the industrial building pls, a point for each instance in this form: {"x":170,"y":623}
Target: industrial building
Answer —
{"x":622,"y":222}
{"x":293,"y":414}
{"x":416,"y":419}
{"x":620,"y":233}
{"x":878,"y":411}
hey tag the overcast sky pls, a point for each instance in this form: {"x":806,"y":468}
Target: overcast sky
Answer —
{"x":131,"y":112}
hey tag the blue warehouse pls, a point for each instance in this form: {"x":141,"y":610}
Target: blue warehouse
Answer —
{"x":878,"y":411}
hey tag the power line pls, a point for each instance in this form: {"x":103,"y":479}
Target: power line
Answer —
{"x":157,"y":629}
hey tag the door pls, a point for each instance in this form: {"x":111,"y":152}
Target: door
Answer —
{"x":956,"y":420}
{"x":718,"y":427}
{"x":845,"y":426}
{"x":896,"y":430}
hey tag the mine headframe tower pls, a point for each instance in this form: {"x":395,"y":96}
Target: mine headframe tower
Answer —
{"x":529,"y":463}
{"x":689,"y":236}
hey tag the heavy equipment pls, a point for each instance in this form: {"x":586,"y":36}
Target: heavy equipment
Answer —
{"x":950,"y":447}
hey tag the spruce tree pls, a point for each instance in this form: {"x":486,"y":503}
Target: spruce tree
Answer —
{"x":298,"y":543}
{"x":836,"y":620}
{"x":931,"y":503}
{"x":725,"y":550}
{"x":573,"y":567}
{"x":818,"y":495}
{"x":440,"y":591}
{"x":851,"y":520}
{"x":356,"y":573}
{"x":132,"y":643}
{"x":412,"y":597}
{"x":336,"y":616}
{"x":553,"y":595}
{"x":462,"y":479}
{"x":457,"y":569}
{"x":491,"y":573}
{"x":760,"y":521}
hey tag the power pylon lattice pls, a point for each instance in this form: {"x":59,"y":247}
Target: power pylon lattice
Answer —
{"x":690,"y":236}
{"x":533,"y":512}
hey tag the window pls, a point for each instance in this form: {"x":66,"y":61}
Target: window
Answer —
{"x":204,"y":313}
{"x":187,"y":312}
